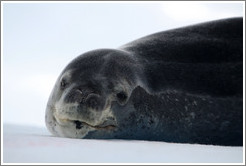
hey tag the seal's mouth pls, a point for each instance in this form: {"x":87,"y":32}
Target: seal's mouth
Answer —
{"x":80,"y":124}
{"x":107,"y":125}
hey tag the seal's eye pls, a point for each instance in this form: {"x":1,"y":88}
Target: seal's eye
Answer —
{"x":122,"y":97}
{"x":63,"y":83}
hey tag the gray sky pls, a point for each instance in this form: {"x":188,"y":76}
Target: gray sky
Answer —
{"x":40,"y":39}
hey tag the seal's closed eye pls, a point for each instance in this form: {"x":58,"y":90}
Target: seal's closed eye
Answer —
{"x":65,"y":79}
{"x":63,"y":83}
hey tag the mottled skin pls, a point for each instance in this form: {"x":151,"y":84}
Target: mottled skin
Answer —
{"x":183,"y":85}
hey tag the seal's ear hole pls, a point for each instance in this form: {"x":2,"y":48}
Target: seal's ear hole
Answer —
{"x":121,"y":97}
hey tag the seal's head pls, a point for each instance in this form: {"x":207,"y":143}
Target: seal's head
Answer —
{"x":84,"y":93}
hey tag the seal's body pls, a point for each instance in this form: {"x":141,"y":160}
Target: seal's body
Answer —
{"x":183,"y":85}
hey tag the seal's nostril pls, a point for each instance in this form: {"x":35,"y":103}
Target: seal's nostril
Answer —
{"x":92,"y":100}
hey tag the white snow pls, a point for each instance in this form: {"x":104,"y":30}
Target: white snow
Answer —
{"x":27,"y":144}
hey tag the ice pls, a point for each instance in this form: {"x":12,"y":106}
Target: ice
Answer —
{"x":27,"y":144}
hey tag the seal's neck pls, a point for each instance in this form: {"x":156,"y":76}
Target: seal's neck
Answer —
{"x":193,"y":78}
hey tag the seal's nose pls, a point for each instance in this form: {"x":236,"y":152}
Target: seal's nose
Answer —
{"x":85,"y":97}
{"x":93,"y":101}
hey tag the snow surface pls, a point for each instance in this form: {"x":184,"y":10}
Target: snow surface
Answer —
{"x":27,"y":144}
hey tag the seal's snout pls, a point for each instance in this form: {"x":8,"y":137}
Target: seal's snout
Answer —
{"x":86,"y":98}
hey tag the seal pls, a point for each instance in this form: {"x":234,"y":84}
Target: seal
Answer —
{"x":183,"y":85}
